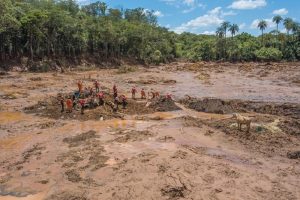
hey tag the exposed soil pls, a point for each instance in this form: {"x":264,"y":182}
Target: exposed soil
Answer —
{"x":186,"y":148}
{"x":219,"y":106}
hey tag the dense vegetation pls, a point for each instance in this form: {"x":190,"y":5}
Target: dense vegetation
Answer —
{"x":62,"y":30}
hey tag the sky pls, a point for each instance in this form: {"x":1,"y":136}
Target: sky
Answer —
{"x":204,"y":16}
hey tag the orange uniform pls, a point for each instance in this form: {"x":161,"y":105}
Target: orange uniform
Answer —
{"x":143,"y":94}
{"x":80,"y":86}
{"x":69,"y":104}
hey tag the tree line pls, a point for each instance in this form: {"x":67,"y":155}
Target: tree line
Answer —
{"x":61,"y":29}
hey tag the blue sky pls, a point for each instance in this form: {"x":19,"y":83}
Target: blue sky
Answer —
{"x":203,"y":16}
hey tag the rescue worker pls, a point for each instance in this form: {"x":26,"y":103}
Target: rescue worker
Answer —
{"x":124,"y":101}
{"x":156,"y":94}
{"x":116,"y":102}
{"x":61,"y":99}
{"x":115,"y":91}
{"x":133,"y":91}
{"x":80,"y":86}
{"x":69,"y":105}
{"x":82,"y":104}
{"x":97,"y":86}
{"x":143,"y":94}
{"x":91,"y":91}
{"x":169,"y":96}
{"x":152,"y":93}
{"x":100,"y":96}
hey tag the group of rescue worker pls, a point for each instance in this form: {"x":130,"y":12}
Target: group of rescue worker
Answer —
{"x":92,"y":97}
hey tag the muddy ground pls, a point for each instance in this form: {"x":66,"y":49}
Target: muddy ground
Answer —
{"x":189,"y":148}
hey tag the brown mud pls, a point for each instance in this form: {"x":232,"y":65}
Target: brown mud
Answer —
{"x":189,"y":148}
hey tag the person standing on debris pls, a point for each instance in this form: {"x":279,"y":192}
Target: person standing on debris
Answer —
{"x":97,"y":86}
{"x":152,"y":93}
{"x":116,"y":102}
{"x":156,"y":94}
{"x":61,"y":99}
{"x":124,"y":101}
{"x":115,"y":91}
{"x":133,"y":91}
{"x":91,"y":91}
{"x":82,"y":104}
{"x":169,"y":96}
{"x":80,"y":86}
{"x":100,"y":96}
{"x":69,"y":105}
{"x":143,"y":94}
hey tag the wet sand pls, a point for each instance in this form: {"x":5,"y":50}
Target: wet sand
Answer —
{"x":183,"y":154}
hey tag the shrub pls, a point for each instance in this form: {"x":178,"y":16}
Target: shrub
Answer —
{"x":268,"y":54}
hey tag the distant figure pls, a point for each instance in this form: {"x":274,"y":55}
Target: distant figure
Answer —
{"x":69,"y":105}
{"x":97,"y":86}
{"x":116,"y":102}
{"x":90,"y":91}
{"x":80,"y":86}
{"x":133,"y":91}
{"x":143,"y":94}
{"x":101,"y":98}
{"x":82,"y":104}
{"x":61,"y":99}
{"x":242,"y":120}
{"x":124,"y":101}
{"x":115,"y":91}
{"x":152,"y":93}
{"x":169,"y":96}
{"x":156,"y":94}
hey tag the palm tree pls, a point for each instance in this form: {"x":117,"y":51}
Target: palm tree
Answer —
{"x":288,"y":24}
{"x":225,"y":25}
{"x":277,"y":19}
{"x":234,"y":29}
{"x":220,"y":32}
{"x":295,"y":28}
{"x":262,"y":25}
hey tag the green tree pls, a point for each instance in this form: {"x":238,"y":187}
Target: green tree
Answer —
{"x":262,"y":25}
{"x":288,"y":24}
{"x":277,"y":20}
{"x":234,"y":29}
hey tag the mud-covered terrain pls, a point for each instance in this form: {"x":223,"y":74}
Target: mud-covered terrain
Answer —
{"x":189,"y":148}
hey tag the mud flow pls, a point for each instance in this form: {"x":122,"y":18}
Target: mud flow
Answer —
{"x":191,"y":141}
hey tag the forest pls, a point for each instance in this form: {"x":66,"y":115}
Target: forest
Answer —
{"x":41,"y":30}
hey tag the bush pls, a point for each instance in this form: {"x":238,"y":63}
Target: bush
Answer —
{"x":268,"y":54}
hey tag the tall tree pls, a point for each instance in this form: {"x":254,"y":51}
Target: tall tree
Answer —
{"x":277,"y":20}
{"x":234,"y":29}
{"x":288,"y":24}
{"x":225,"y":25}
{"x":262,"y":25}
{"x":220,"y":32}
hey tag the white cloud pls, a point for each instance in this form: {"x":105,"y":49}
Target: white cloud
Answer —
{"x":229,"y":13}
{"x":158,"y":13}
{"x":281,"y":11}
{"x":247,"y":4}
{"x":187,"y":5}
{"x":208,"y":33}
{"x":255,"y":22}
{"x":242,"y":25}
{"x":189,"y":2}
{"x":211,"y":18}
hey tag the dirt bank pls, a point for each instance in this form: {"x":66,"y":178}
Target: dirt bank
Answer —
{"x":219,"y":106}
